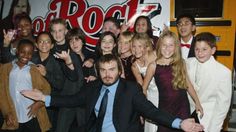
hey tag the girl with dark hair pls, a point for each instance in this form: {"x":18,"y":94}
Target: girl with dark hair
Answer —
{"x":107,"y":44}
{"x":17,"y":7}
{"x":24,"y":31}
{"x":143,"y":25}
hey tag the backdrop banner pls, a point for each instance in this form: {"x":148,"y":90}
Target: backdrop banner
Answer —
{"x":90,"y":14}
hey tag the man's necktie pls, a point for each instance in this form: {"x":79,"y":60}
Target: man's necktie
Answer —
{"x":185,"y":45}
{"x":102,"y":111}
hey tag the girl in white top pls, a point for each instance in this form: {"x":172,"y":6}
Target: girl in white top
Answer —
{"x":144,"y":55}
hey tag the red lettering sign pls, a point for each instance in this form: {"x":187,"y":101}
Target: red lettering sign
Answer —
{"x":90,"y":19}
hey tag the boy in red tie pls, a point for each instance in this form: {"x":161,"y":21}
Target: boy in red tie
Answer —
{"x":186,"y":29}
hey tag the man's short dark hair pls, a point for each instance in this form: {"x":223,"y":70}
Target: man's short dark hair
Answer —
{"x":207,"y":37}
{"x":113,"y":20}
{"x":190,"y":17}
{"x":107,"y":58}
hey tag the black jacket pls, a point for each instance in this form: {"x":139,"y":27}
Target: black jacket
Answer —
{"x":54,"y":74}
{"x":191,"y":52}
{"x":129,"y":103}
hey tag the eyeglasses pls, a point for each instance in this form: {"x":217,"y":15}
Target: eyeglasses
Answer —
{"x":185,"y":23}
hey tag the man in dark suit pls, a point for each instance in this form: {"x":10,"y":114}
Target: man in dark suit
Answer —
{"x":186,"y":27}
{"x":125,"y":103}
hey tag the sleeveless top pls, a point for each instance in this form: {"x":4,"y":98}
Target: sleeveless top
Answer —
{"x":142,"y":70}
{"x":172,"y":101}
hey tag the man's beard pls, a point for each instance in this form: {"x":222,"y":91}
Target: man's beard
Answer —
{"x":109,"y":84}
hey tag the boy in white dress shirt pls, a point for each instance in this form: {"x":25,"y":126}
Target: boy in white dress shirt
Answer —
{"x":212,"y":82}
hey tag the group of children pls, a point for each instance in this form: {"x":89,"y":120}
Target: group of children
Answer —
{"x":169,"y":80}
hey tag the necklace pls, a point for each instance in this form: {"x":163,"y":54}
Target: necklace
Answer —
{"x":142,"y":63}
{"x":165,"y":62}
{"x":125,"y":60}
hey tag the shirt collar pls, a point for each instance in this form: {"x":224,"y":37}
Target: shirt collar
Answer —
{"x":15,"y":65}
{"x":189,"y":41}
{"x":112,"y":88}
{"x":208,"y":62}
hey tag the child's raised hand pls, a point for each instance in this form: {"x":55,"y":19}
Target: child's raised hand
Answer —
{"x":8,"y":37}
{"x":64,"y":55}
{"x":124,"y":26}
{"x":88,"y":63}
{"x":165,"y":28}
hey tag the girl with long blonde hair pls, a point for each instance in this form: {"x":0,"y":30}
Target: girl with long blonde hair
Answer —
{"x":144,"y":55}
{"x":171,"y":78}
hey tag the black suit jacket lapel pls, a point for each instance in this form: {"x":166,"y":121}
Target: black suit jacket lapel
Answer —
{"x":117,"y":103}
{"x":94,"y":95}
{"x":191,"y":50}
